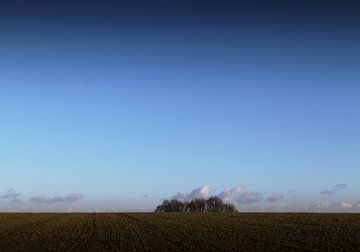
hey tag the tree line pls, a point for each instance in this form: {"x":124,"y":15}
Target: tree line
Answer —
{"x":213,"y":204}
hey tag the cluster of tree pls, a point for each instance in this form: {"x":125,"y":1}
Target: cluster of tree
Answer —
{"x":213,"y":204}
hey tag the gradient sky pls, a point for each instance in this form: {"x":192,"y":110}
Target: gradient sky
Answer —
{"x":129,"y":103}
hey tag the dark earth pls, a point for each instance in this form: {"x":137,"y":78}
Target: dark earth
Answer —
{"x":179,"y":232}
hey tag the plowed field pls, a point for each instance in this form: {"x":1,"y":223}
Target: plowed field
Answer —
{"x":179,"y":232}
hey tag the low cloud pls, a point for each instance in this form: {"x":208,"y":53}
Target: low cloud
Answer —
{"x":254,"y":201}
{"x":249,"y":197}
{"x":202,"y":192}
{"x":58,"y":199}
{"x":11,"y":196}
{"x":239,"y":195}
{"x":234,"y":195}
{"x":326,"y":206}
{"x":231,"y":195}
{"x":323,"y":205}
{"x":274,"y":197}
{"x":331,"y":191}
{"x":345,"y":205}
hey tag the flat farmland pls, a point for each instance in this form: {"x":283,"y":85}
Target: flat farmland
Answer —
{"x":179,"y":232}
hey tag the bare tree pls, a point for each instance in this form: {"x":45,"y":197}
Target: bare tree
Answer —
{"x":200,"y":205}
{"x":190,"y":206}
{"x":171,"y":206}
{"x":229,"y":208}
{"x":213,"y":204}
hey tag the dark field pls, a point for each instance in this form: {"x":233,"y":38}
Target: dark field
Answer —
{"x":179,"y":232}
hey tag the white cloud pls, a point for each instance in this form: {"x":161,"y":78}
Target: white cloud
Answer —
{"x":255,"y":201}
{"x":323,"y":205}
{"x":345,"y":205}
{"x":234,"y":195}
{"x":202,"y":192}
{"x":284,"y":205}
{"x":231,"y":195}
{"x":239,"y":195}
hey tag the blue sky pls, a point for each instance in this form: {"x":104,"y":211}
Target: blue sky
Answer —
{"x":116,"y":110}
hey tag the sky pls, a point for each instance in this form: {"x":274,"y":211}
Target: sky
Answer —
{"x":117,"y":105}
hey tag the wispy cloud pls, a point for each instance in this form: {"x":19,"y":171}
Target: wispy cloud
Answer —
{"x":274,"y":197}
{"x":291,"y":191}
{"x":328,"y":192}
{"x":249,"y":197}
{"x":11,"y":196}
{"x":331,"y":191}
{"x":58,"y":199}
{"x":340,"y":186}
